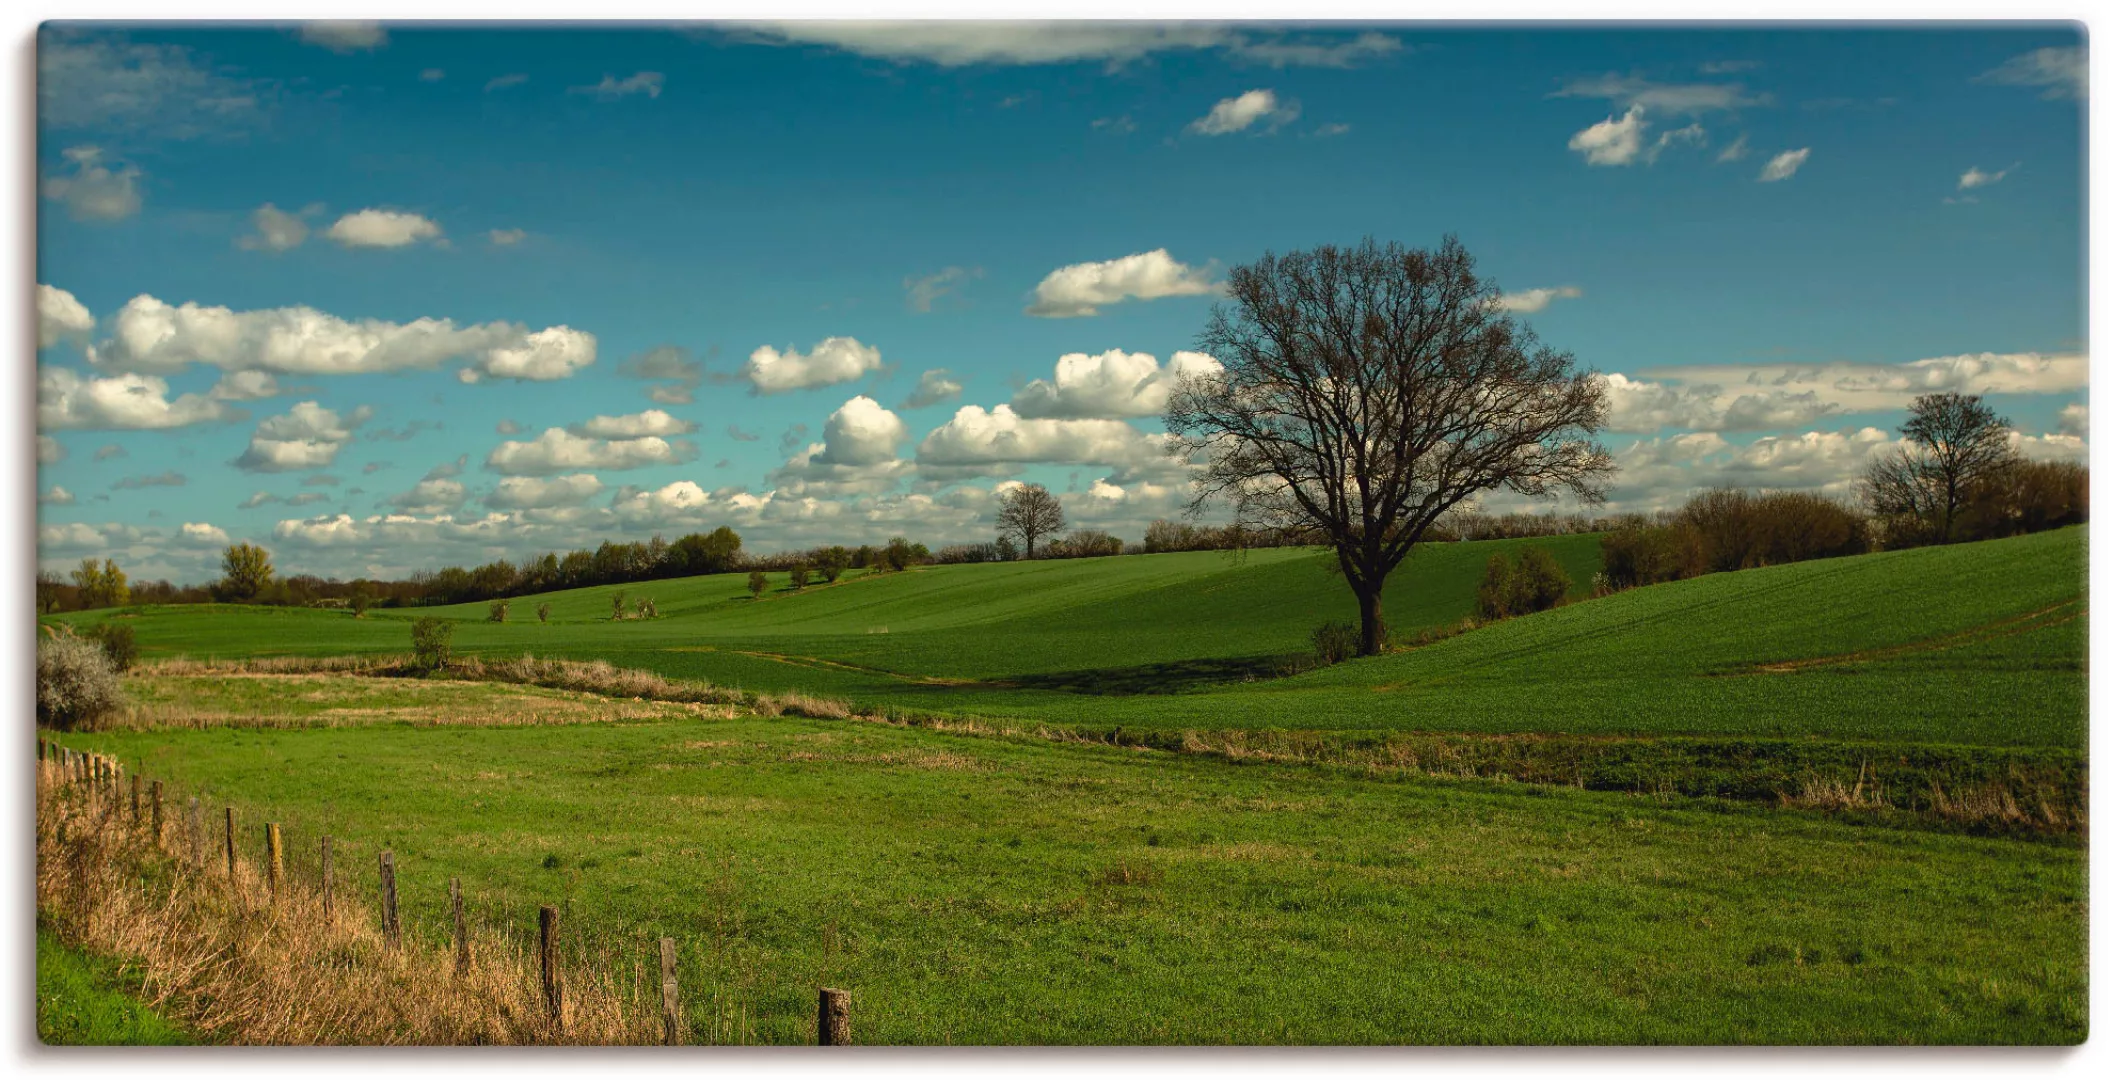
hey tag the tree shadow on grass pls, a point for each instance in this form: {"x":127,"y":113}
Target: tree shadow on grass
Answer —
{"x":1171,"y":677}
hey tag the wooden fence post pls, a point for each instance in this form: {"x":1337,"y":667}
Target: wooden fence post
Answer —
{"x":392,"y":930}
{"x":156,"y":824}
{"x":327,"y":912}
{"x":553,"y":990}
{"x":462,"y":928}
{"x":231,"y":845}
{"x":833,"y":1025}
{"x":275,"y":858}
{"x":670,"y":999}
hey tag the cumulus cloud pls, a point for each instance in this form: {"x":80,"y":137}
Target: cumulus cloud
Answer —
{"x":245,"y":386}
{"x":151,"y":336}
{"x":61,"y":317}
{"x":201,"y":534}
{"x":1663,"y":472}
{"x":557,"y":450}
{"x":611,"y":87}
{"x":633,"y":426}
{"x":1785,"y":165}
{"x":1612,"y":141}
{"x":57,"y":496}
{"x":529,"y":493}
{"x":344,"y":36}
{"x":49,"y":452}
{"x":1737,"y":151}
{"x":920,"y":293}
{"x":1110,"y":385}
{"x":92,"y":190}
{"x":1635,"y":93}
{"x":373,"y":228}
{"x":975,"y":440}
{"x":1751,"y":397}
{"x":857,"y":454}
{"x":1235,"y":114}
{"x":960,"y":43}
{"x":2062,"y":72}
{"x":2075,"y":419}
{"x":666,"y":362}
{"x":834,"y":360}
{"x":1973,"y":177}
{"x":1533,"y":300}
{"x":308,"y":436}
{"x":734,"y":432}
{"x":276,"y":230}
{"x":933,"y":387}
{"x":140,"y":89}
{"x":68,"y":401}
{"x":433,"y":495}
{"x":1082,"y":288}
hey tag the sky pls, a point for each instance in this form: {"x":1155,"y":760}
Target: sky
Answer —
{"x":386,"y":298}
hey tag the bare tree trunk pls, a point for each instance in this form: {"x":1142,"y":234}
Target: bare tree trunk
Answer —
{"x":1371,"y":629}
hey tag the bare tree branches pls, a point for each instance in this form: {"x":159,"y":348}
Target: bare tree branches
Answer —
{"x":1029,"y":512}
{"x":1366,"y":391}
{"x":1956,"y":444}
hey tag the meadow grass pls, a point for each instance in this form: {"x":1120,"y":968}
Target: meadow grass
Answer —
{"x":980,"y":890}
{"x":83,"y":1000}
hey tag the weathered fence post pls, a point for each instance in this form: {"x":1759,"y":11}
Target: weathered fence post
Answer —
{"x":833,"y":1025}
{"x":392,"y":930}
{"x":462,"y":929}
{"x":275,"y":858}
{"x":670,"y":1003}
{"x":231,"y":845}
{"x":327,"y":912}
{"x":553,"y":990}
{"x":156,"y":824}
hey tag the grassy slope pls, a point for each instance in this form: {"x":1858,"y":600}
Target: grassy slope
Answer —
{"x":983,"y":890}
{"x":1074,"y":642}
{"x":83,"y":1000}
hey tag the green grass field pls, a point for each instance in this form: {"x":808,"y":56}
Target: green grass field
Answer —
{"x":82,"y":1000}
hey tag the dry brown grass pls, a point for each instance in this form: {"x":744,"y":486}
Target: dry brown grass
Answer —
{"x":277,"y":665}
{"x":228,"y":961}
{"x":165,"y":702}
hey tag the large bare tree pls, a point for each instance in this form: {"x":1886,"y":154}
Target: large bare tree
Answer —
{"x":1368,"y":390}
{"x":1955,"y":444}
{"x":1029,"y":512}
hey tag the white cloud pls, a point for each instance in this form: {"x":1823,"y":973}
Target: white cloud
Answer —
{"x":1692,"y":135}
{"x":506,"y":237}
{"x":920,"y":293}
{"x":307,"y":436}
{"x":57,"y":496}
{"x":49,"y":452}
{"x":151,"y":336}
{"x":277,"y":230}
{"x":1111,"y":385}
{"x":1785,"y":165}
{"x":2075,"y":419}
{"x":146,"y":90}
{"x":1973,"y":177}
{"x":933,"y":387}
{"x":1635,"y":94}
{"x":975,"y":440}
{"x":611,"y":87}
{"x":1329,"y":131}
{"x":245,"y":386}
{"x":202,"y":534}
{"x":2063,"y":71}
{"x":834,"y":360}
{"x":528,"y":493}
{"x":1080,"y":289}
{"x":372,"y":228}
{"x":1636,"y":405}
{"x":959,"y":43}
{"x":861,"y":432}
{"x":129,"y":402}
{"x":633,"y":426}
{"x":2051,"y":447}
{"x":93,"y":191}
{"x":557,"y":450}
{"x":71,"y":536}
{"x":1612,"y":141}
{"x":60,"y":316}
{"x":1533,"y":300}
{"x":344,"y":36}
{"x":1663,"y":472}
{"x":1752,"y":397}
{"x":1735,"y":152}
{"x":1235,"y":114}
{"x":433,"y":495}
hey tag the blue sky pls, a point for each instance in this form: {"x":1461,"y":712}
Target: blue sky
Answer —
{"x":1769,"y":240}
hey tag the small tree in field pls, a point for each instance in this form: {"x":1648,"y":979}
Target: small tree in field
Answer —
{"x":1029,"y":512}
{"x":799,"y":577}
{"x":543,"y":611}
{"x":498,"y":613}
{"x":616,"y":605}
{"x":832,"y":563}
{"x":101,"y":584}
{"x":1365,"y":392}
{"x":756,"y":584}
{"x":1493,"y":596}
{"x":1540,"y":582}
{"x":1956,"y":445}
{"x":431,"y":643}
{"x":245,"y":569}
{"x":1007,"y":550}
{"x":360,"y":602}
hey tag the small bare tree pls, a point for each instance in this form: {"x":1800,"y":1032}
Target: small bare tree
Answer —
{"x":1366,"y":391}
{"x":1955,"y":445}
{"x":1029,"y":512}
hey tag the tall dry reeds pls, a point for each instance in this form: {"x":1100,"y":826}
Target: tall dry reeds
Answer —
{"x":231,"y":961}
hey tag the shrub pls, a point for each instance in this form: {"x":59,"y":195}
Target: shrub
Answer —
{"x":1539,"y":583}
{"x":1493,"y":596}
{"x":1334,"y":642}
{"x":1641,"y":554}
{"x":901,"y":554}
{"x":543,"y":611}
{"x":430,"y":639}
{"x":499,"y":611}
{"x":757,"y":583}
{"x":616,"y":605}
{"x":647,"y":609}
{"x":77,"y":686}
{"x":359,"y":603}
{"x":799,"y":577}
{"x":1006,"y":550}
{"x":832,"y":563}
{"x":115,"y":639}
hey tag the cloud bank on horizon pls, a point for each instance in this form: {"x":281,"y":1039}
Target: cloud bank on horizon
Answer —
{"x":388,"y":297}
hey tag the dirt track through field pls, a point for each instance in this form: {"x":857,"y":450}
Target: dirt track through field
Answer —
{"x":2065,"y":612}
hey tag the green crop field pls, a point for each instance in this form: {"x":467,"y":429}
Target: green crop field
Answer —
{"x":83,"y":1000}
